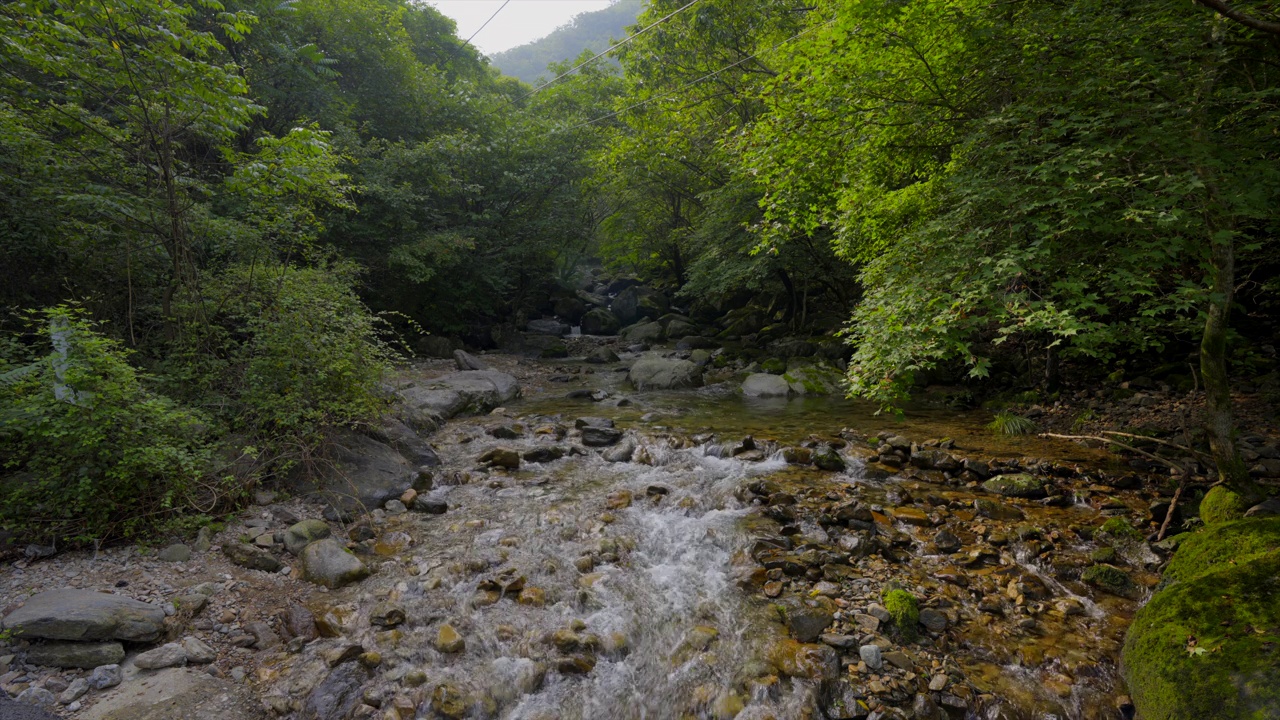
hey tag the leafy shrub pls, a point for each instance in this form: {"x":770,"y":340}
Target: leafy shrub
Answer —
{"x":1006,"y":423}
{"x":88,"y":452}
{"x":279,"y":352}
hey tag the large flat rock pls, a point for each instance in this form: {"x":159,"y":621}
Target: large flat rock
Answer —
{"x":356,"y":473}
{"x":471,"y":391}
{"x":654,"y":372}
{"x":176,"y":694}
{"x":86,"y":615}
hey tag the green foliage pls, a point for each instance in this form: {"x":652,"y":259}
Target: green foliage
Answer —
{"x":1006,"y":423}
{"x":89,"y":452}
{"x":280,"y":352}
{"x":905,"y":610}
{"x":1221,"y":505}
{"x":1206,"y":647}
{"x":1019,"y":178}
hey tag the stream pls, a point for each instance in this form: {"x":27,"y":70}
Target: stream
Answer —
{"x":713,"y":576}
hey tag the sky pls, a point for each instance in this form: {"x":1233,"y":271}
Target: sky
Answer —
{"x":519,"y":22}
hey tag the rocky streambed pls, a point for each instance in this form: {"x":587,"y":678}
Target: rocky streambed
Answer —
{"x":589,"y":551}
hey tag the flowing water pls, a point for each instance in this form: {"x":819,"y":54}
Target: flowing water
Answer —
{"x":590,"y":589}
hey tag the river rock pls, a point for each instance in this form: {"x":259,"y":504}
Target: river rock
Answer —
{"x":500,"y":457}
{"x":600,"y":322}
{"x":934,"y":459}
{"x":37,"y":697}
{"x":404,"y":440}
{"x":543,"y":454}
{"x":338,"y":695}
{"x":165,"y":656}
{"x":946,"y":541}
{"x":449,"y":640}
{"x":622,"y":452}
{"x":829,"y":460}
{"x":174,"y":553}
{"x":76,"y":690}
{"x":249,"y":556}
{"x":76,"y":655}
{"x":600,"y":436}
{"x":198,"y":651}
{"x":997,"y":511}
{"x":466,"y":361}
{"x":844,"y":701}
{"x":472,"y":391}
{"x":85,"y":615}
{"x":658,"y":373}
{"x":1266,"y":508}
{"x":870,"y":655}
{"x":764,"y":385}
{"x":933,"y":620}
{"x":430,"y":506}
{"x":645,"y":333}
{"x":450,"y":701}
{"x":801,"y":660}
{"x":548,"y":327}
{"x":809,"y":617}
{"x":105,"y":676}
{"x":302,"y":534}
{"x":327,"y":562}
{"x":601,"y":356}
{"x":356,"y":474}
{"x":175,"y":693}
{"x":1020,"y":485}
{"x":814,"y":380}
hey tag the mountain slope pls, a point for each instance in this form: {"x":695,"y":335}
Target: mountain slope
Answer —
{"x":590,"y":30}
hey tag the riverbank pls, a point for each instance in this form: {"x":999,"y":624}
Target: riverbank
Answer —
{"x":708,"y":555}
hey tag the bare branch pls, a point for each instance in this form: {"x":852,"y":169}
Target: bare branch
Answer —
{"x":1225,"y":10}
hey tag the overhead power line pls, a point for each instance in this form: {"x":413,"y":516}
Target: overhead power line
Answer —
{"x":691,"y":83}
{"x":610,"y":49}
{"x":486,"y":23}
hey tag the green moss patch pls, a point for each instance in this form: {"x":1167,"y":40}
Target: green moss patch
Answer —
{"x":1119,"y":528}
{"x":1222,"y":546}
{"x":1221,"y":505}
{"x":905,"y":610}
{"x":1209,"y":647}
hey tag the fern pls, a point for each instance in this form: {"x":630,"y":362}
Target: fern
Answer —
{"x":1006,"y":423}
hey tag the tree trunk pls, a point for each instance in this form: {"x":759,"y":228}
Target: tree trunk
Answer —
{"x":1213,"y":368}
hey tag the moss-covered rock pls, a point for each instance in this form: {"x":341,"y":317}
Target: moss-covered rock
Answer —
{"x":1020,"y":485}
{"x":1103,"y":555}
{"x":904,"y":609}
{"x":1209,"y":647}
{"x":1223,"y":546}
{"x":774,"y":366}
{"x":1118,"y":529}
{"x":1221,"y":505}
{"x":1111,"y":579}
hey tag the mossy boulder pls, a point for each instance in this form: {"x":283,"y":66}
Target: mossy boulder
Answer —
{"x":774,"y":366}
{"x":1020,"y":485}
{"x":1209,"y":647}
{"x":1221,"y":505}
{"x":1223,"y":546}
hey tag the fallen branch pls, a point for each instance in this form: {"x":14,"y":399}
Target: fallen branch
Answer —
{"x":1188,"y":450}
{"x":1173,"y":506}
{"x":1112,"y":441}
